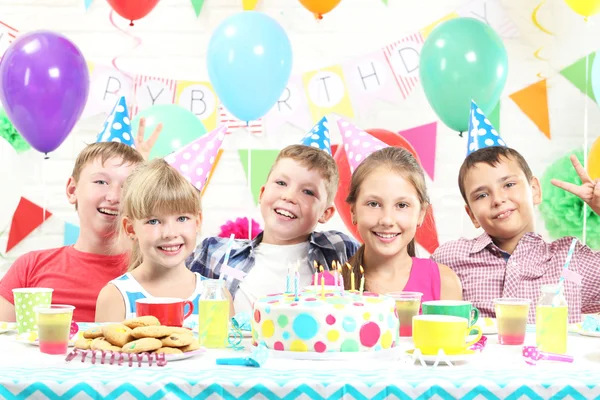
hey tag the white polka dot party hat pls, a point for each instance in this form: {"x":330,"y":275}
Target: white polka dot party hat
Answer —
{"x":319,"y":136}
{"x":195,"y":160}
{"x":117,"y":127}
{"x":481,"y":132}
{"x":358,"y":144}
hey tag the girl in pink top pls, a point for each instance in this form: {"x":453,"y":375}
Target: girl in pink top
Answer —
{"x":388,"y":200}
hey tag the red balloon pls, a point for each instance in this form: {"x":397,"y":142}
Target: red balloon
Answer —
{"x":426,"y":235}
{"x":132,"y":9}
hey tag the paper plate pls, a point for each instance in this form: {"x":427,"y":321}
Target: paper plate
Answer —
{"x":466,"y":356}
{"x":389,"y":354}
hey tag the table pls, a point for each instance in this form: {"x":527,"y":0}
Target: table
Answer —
{"x":497,"y":373}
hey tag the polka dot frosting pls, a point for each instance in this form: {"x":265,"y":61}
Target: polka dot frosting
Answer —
{"x":312,"y":323}
{"x":117,"y":127}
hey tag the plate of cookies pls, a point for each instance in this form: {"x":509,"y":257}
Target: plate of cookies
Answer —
{"x":140,"y":335}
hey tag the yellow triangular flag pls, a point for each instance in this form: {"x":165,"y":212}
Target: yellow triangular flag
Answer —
{"x":249,"y":4}
{"x":533,"y":101}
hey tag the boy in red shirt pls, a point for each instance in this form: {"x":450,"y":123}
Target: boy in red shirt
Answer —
{"x":78,"y":272}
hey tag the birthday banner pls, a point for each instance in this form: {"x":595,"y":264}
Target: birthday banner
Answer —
{"x":390,"y":74}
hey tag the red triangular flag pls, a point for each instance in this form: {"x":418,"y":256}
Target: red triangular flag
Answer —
{"x":26,"y":218}
{"x":423,"y":139}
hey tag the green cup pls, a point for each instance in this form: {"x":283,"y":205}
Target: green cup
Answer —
{"x":25,"y":300}
{"x":457,"y":308}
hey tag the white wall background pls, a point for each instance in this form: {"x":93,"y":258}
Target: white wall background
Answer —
{"x":174,"y":43}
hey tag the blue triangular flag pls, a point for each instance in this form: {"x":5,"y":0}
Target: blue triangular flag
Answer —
{"x":117,"y":127}
{"x":481,"y":132}
{"x":71,"y":234}
{"x":87,"y":3}
{"x":319,"y":136}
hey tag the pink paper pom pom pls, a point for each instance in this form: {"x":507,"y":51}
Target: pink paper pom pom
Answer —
{"x":239,"y":228}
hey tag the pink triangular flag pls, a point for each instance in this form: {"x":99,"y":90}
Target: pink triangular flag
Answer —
{"x":423,"y":139}
{"x":357,"y":143}
{"x":195,"y":160}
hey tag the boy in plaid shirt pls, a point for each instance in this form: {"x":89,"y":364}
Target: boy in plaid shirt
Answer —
{"x":298,"y":194}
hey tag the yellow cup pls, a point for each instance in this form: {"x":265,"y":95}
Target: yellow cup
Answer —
{"x":449,"y":333}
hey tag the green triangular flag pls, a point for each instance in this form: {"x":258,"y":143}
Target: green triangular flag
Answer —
{"x":385,"y":2}
{"x":197,"y":6}
{"x":262,"y":161}
{"x":575,"y":73}
{"x":494,"y":117}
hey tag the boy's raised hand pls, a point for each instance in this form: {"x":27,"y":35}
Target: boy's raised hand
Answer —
{"x":589,"y":191}
{"x":145,"y":147}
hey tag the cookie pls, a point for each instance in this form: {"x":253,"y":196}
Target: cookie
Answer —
{"x":184,"y":331}
{"x":168,"y":350}
{"x":142,"y":345}
{"x":147,"y":320}
{"x":114,"y":349}
{"x":83,"y":344}
{"x":151,"y":331}
{"x":100,"y":344}
{"x":177,"y":340}
{"x":191,"y":347}
{"x":117,"y":334}
{"x":93,"y":333}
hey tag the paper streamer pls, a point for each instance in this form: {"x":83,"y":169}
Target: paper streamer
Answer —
{"x":136,"y":40}
{"x":534,"y":19}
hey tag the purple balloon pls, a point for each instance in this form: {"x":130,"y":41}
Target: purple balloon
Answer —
{"x":44,"y":85}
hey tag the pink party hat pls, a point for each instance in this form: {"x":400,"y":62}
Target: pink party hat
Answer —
{"x":357,"y":143}
{"x":195,"y":160}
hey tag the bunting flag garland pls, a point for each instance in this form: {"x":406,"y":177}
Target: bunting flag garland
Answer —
{"x":575,"y":73}
{"x":533,"y":101}
{"x":26,"y":219}
{"x":197,"y":4}
{"x":249,"y":5}
{"x":423,"y":140}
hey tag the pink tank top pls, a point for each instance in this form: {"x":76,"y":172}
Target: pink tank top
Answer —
{"x":425,"y":278}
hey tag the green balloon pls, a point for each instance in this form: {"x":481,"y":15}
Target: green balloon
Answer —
{"x":180,"y":127}
{"x":462,"y":59}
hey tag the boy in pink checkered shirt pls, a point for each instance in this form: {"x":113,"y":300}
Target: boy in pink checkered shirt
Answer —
{"x":509,"y":259}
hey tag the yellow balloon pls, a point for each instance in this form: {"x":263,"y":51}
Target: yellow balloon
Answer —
{"x":587,"y":8}
{"x":594,"y":160}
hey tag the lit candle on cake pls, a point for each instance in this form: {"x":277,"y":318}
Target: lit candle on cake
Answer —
{"x":316,"y":280}
{"x":362,"y":280}
{"x":352,"y":283}
{"x":335,"y":273}
{"x":322,"y":280}
{"x":339,"y":270}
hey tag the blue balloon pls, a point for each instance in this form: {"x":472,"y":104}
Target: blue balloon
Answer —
{"x":249,"y":63}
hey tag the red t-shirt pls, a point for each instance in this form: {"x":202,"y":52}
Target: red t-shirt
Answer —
{"x":75,"y":276}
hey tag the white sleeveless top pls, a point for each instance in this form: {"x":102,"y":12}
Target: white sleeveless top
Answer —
{"x":131,"y":290}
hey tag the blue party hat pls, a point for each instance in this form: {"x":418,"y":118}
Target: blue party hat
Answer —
{"x":319,"y":136}
{"x":117,"y":127}
{"x":481,"y":132}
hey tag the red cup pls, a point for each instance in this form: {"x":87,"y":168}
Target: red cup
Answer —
{"x":168,"y":310}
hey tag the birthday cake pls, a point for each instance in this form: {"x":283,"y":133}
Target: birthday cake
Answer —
{"x":351,"y":322}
